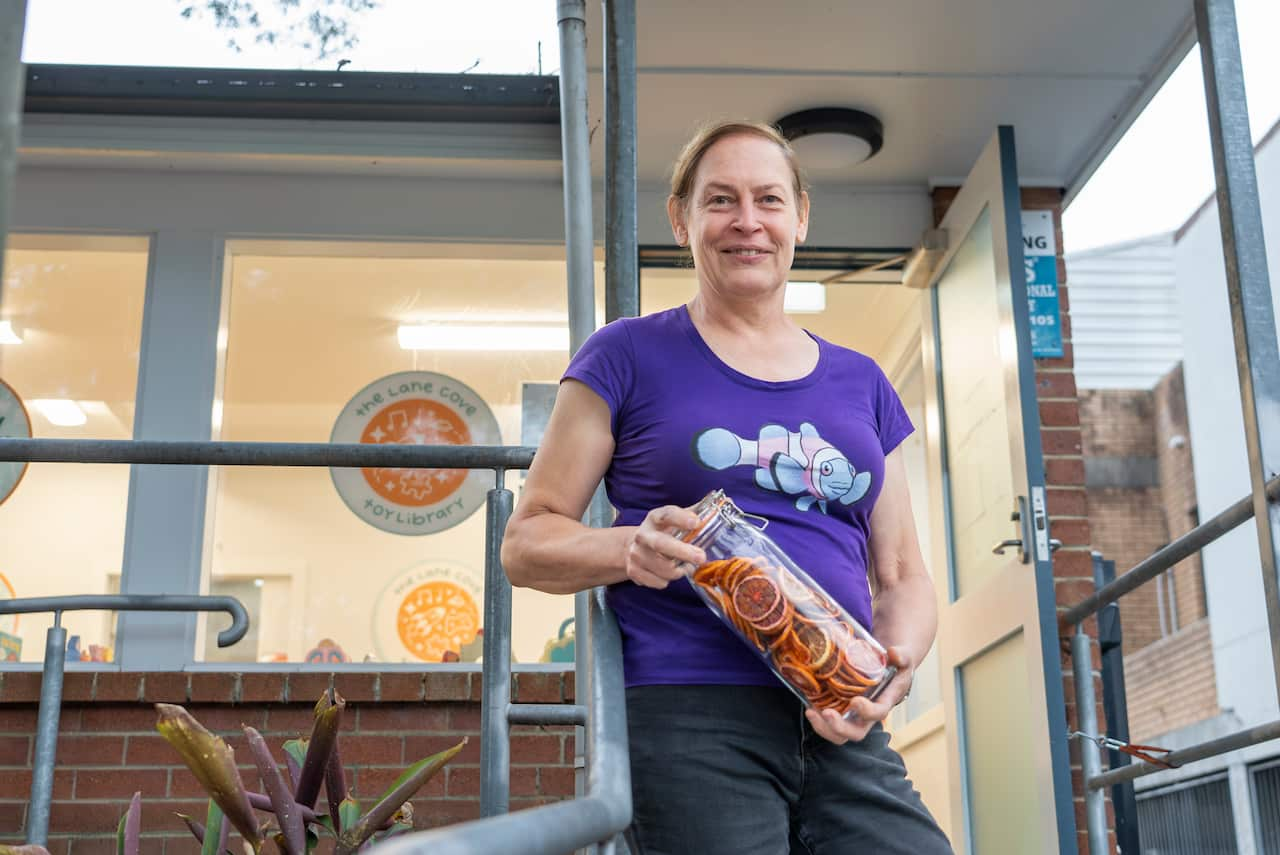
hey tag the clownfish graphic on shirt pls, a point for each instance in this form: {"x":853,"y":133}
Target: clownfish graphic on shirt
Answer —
{"x":797,"y":463}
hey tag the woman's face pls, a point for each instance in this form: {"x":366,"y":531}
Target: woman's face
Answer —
{"x":742,"y":219}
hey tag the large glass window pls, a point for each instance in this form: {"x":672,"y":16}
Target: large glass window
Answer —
{"x":70,"y":328}
{"x":378,"y":343}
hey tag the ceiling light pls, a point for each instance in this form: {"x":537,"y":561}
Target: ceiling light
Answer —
{"x":477,"y":337}
{"x":8,"y":335}
{"x":805,"y":298}
{"x":62,"y":412}
{"x":828,"y":138}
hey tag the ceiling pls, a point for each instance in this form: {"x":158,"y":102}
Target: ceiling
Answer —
{"x":940,"y":74}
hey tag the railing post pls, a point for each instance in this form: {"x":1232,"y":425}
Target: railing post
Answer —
{"x":13,"y":83}
{"x":621,"y":258}
{"x":495,"y":742}
{"x":1115,"y":705}
{"x":1253,"y":320}
{"x":55,"y":658}
{"x":1095,"y":804}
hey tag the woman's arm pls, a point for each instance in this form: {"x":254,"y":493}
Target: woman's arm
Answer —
{"x":904,"y":604}
{"x":547,"y":547}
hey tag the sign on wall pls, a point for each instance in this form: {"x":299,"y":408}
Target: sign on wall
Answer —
{"x":428,"y":613}
{"x":1040,"y":258}
{"x":14,"y":424}
{"x":415,"y":408}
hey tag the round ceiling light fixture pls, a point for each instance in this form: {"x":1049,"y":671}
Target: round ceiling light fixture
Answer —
{"x":828,"y":138}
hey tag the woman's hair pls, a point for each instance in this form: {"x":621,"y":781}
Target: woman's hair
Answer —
{"x":686,"y":165}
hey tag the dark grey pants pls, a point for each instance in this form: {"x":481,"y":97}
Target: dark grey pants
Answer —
{"x":738,"y":770}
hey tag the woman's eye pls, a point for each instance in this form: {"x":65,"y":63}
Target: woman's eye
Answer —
{"x":771,"y":199}
{"x":719,"y":200}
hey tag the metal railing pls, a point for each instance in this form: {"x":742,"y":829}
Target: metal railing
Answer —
{"x":55,"y":660}
{"x":1258,"y":363}
{"x":604,"y":811}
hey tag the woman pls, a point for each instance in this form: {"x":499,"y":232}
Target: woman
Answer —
{"x":722,"y":759}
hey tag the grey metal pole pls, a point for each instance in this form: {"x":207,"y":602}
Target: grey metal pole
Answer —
{"x":55,"y":658}
{"x":13,"y":83}
{"x":575,"y":144}
{"x":495,"y":744}
{"x":621,"y":257}
{"x":1249,"y":291}
{"x":1095,"y":801}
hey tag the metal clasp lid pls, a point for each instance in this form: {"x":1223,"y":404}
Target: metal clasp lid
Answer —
{"x":733,"y":513}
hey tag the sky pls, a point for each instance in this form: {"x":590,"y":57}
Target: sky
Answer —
{"x":1152,"y":181}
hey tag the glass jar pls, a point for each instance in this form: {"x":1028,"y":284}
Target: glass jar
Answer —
{"x":805,"y":637}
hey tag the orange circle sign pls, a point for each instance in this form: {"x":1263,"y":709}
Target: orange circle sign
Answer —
{"x":436,"y":617}
{"x":417,"y":421}
{"x":415,"y":408}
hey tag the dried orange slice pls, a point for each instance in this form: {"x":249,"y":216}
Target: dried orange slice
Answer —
{"x":758,"y":600}
{"x":803,"y":680}
{"x":816,"y":642}
{"x":868,"y":662}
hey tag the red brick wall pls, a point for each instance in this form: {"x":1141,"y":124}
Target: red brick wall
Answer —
{"x":1062,"y":444}
{"x":1178,"y":491}
{"x":1171,"y":683}
{"x":108,"y":747}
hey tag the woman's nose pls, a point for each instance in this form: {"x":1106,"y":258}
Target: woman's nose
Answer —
{"x":746,"y":219}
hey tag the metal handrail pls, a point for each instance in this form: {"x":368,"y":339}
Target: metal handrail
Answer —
{"x":558,"y":828}
{"x":138,"y":603}
{"x":55,"y":660}
{"x":351,"y":455}
{"x":1167,"y":556}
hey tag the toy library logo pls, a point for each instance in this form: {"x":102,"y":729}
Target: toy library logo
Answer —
{"x":414,"y":408}
{"x":428,"y":613}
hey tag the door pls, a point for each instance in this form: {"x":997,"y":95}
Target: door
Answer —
{"x":997,"y":642}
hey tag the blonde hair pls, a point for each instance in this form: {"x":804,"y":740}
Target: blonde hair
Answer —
{"x":686,"y":165}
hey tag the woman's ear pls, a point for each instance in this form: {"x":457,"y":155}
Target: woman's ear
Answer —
{"x":679,"y":225}
{"x":802,"y":230}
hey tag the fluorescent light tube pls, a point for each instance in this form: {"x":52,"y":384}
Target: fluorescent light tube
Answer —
{"x":477,"y":337}
{"x":7,"y":333}
{"x":805,"y":298}
{"x":60,"y":411}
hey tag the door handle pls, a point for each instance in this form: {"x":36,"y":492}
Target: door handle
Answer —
{"x":1000,"y":547}
{"x":1054,"y":544}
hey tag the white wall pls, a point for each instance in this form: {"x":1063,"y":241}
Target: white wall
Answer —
{"x":1233,"y":581}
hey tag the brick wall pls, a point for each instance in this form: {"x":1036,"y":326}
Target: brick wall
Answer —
{"x":1178,"y":486}
{"x":1062,"y":443}
{"x":1171,"y":683}
{"x":108,"y":747}
{"x":1126,"y":510}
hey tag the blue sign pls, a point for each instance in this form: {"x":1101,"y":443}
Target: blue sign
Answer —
{"x":1040,"y":258}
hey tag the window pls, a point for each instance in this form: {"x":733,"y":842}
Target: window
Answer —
{"x":1192,"y":818}
{"x":382,"y":343}
{"x":73,"y":307}
{"x":1266,"y":804}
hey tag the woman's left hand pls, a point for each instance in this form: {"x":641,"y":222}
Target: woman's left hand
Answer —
{"x":830,"y":725}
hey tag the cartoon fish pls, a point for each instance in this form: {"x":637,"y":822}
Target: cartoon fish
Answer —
{"x":787,"y":462}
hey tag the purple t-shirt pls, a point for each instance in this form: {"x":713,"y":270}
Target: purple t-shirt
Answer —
{"x":806,"y":454}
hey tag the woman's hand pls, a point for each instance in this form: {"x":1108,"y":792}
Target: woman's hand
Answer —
{"x":831,"y":726}
{"x":654,"y":556}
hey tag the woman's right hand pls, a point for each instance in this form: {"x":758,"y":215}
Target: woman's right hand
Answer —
{"x":654,"y":556}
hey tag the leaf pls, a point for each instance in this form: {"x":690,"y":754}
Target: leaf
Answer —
{"x":399,"y":793}
{"x":348,"y":814}
{"x":130,"y":828}
{"x":24,"y":849}
{"x":196,"y":829}
{"x":324,"y":735}
{"x":214,"y":765}
{"x":295,"y":752}
{"x":335,"y":782}
{"x":215,"y":834}
{"x":286,"y":809}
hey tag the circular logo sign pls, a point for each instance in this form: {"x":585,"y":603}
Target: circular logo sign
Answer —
{"x":415,"y":408}
{"x":14,"y":424}
{"x":427,"y":614}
